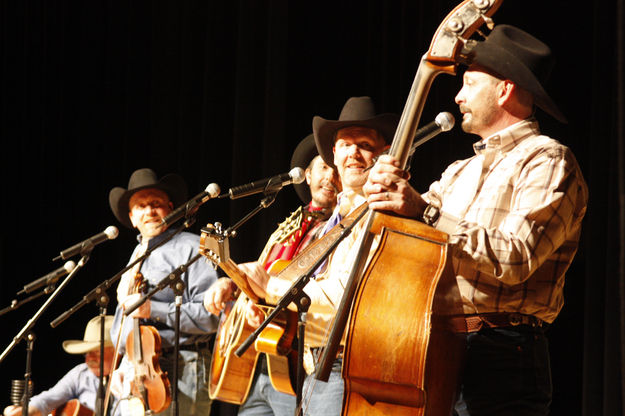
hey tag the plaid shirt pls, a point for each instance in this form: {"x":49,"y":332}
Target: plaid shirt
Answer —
{"x":514,"y":213}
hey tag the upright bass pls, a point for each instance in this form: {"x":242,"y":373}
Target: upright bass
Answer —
{"x":401,"y":356}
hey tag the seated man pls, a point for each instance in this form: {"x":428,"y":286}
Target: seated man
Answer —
{"x":82,"y":381}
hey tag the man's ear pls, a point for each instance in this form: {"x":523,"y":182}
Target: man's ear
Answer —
{"x":308,"y":175}
{"x":132,"y":219}
{"x":505,"y":90}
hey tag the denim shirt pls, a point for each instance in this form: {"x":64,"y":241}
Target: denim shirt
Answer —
{"x":79,"y":383}
{"x":196,"y":323}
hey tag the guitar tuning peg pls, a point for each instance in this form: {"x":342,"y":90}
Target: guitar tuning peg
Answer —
{"x":490,"y":23}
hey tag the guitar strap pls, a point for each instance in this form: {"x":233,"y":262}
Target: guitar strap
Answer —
{"x":309,"y":256}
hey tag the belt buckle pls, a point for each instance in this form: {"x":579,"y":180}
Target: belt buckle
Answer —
{"x":515,"y":319}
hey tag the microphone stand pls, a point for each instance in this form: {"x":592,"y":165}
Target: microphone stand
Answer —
{"x":17,"y":303}
{"x":295,"y":294}
{"x":173,"y":280}
{"x":270,"y":197}
{"x":99,"y":405}
{"x":26,"y":331}
{"x":30,"y":341}
{"x":100,"y":290}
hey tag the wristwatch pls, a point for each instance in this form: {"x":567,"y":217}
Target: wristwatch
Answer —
{"x":431,"y":214}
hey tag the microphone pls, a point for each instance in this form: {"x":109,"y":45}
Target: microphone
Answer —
{"x":48,"y":279}
{"x":443,"y":122}
{"x":110,"y":233}
{"x":275,"y":183}
{"x":189,"y":207}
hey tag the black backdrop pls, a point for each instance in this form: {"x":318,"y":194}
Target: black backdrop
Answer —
{"x":223,"y":91}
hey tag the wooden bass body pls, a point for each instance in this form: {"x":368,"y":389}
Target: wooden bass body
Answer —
{"x":401,"y":357}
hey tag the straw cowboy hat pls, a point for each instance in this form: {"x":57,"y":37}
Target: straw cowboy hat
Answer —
{"x":357,"y":111}
{"x":304,"y":153}
{"x":518,"y":56}
{"x":173,"y":185}
{"x":91,"y":340}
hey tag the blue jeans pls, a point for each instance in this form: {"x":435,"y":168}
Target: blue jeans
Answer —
{"x":264,"y":400}
{"x":326,"y":398}
{"x":507,"y":372}
{"x":193,"y":368}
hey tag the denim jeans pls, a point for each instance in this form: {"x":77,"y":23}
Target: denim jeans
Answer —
{"x":507,"y":372}
{"x":193,"y":370}
{"x":264,"y":400}
{"x":326,"y":399}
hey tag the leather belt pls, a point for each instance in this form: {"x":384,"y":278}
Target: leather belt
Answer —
{"x":196,"y":346}
{"x":317,"y":351}
{"x":473,"y":323}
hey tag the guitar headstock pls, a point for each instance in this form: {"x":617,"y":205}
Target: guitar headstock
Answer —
{"x":452,"y":35}
{"x":214,"y":245}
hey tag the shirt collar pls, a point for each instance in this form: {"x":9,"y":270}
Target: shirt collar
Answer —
{"x":157,"y":239}
{"x":318,"y":212}
{"x":506,"y":139}
{"x":348,"y":200}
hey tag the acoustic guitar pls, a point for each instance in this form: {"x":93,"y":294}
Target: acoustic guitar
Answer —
{"x":72,"y":408}
{"x":231,"y":376}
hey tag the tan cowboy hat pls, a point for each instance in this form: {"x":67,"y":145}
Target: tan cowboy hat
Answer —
{"x":91,"y":340}
{"x":518,"y":56}
{"x":357,"y":111}
{"x":173,"y":185}
{"x":303,"y":154}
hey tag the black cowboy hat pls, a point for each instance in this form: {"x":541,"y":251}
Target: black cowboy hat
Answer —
{"x":172,"y":184}
{"x":357,"y":111}
{"x":518,"y":56}
{"x":304,"y":153}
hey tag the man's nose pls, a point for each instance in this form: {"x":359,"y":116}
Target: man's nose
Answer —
{"x":353,"y":149}
{"x":458,"y":97}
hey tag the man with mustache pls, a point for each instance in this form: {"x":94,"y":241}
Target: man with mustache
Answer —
{"x":319,"y":196}
{"x":513,"y":213}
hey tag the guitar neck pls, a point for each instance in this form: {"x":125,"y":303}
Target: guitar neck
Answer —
{"x":239,"y":278}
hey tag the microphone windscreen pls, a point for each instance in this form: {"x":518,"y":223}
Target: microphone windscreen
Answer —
{"x":111,"y":232}
{"x":445,"y":121}
{"x":69,"y":266}
{"x":297,"y":174}
{"x":213,"y":190}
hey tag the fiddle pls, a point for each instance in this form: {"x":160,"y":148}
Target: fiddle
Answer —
{"x":143,"y":346}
